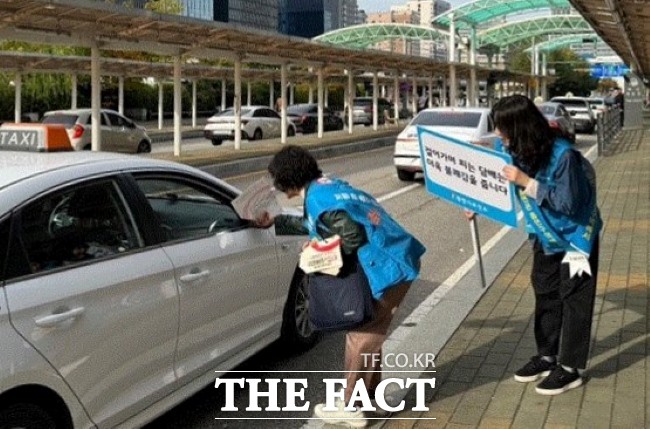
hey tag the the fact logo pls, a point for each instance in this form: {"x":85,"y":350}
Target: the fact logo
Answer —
{"x":295,"y":388}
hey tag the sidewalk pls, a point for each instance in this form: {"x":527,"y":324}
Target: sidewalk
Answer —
{"x":474,"y":384}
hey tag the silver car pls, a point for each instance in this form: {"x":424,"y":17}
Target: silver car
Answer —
{"x":583,"y":116}
{"x":119,"y":133}
{"x":128,"y":284}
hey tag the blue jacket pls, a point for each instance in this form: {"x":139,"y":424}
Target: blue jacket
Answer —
{"x":391,"y":256}
{"x":564,"y":215}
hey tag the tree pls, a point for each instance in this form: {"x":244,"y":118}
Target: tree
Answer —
{"x":170,"y":7}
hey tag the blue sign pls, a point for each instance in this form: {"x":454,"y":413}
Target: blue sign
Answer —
{"x":468,"y":175}
{"x":608,"y":70}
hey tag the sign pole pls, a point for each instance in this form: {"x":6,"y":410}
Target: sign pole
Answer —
{"x":477,"y":248}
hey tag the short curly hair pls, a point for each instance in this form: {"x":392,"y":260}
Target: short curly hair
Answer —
{"x":293,"y":167}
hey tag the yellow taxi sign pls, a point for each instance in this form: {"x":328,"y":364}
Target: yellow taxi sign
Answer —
{"x":34,"y":138}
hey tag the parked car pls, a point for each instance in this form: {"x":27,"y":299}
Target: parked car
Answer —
{"x":580,"y":111}
{"x":127,"y":284}
{"x":305,"y":118}
{"x":118,"y":133}
{"x":558,"y":118}
{"x":257,"y":123}
{"x":597,"y":104}
{"x":362,"y":110}
{"x":470,"y":124}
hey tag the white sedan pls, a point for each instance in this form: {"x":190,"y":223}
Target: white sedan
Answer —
{"x":127,"y":284}
{"x":257,"y":123}
{"x":469,"y":124}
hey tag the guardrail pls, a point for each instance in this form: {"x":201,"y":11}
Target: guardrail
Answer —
{"x":608,"y":126}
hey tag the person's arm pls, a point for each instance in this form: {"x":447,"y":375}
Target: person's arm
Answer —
{"x":353,"y":234}
{"x":570,"y":191}
{"x":284,"y":224}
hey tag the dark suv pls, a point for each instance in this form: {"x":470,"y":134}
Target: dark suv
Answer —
{"x":362,"y":110}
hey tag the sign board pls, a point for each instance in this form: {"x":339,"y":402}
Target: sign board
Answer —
{"x":468,"y":175}
{"x":608,"y":70}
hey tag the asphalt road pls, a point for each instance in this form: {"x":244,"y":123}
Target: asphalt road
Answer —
{"x":440,"y":226}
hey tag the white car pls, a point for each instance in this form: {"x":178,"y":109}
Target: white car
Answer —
{"x":127,"y":284}
{"x":257,"y":122}
{"x":469,"y":124}
{"x":581,"y":112}
{"x":119,"y":133}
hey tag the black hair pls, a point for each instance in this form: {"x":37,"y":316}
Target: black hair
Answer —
{"x":530,"y":136}
{"x":293,"y":167}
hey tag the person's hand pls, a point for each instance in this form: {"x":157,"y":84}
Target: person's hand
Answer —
{"x":469,"y":214}
{"x":515,"y":175}
{"x":265,"y":220}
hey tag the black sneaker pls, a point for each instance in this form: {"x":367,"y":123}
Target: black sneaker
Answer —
{"x":559,"y":381}
{"x":535,"y":369}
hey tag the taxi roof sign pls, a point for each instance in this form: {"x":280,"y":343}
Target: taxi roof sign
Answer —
{"x":34,"y":138}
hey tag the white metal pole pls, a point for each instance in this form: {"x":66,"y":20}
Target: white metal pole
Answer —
{"x":452,"y":61}
{"x":248,"y":93}
{"x":271,"y":95}
{"x":236,"y":103}
{"x":95,"y":98}
{"x":430,"y":101}
{"x":471,"y":94}
{"x":396,"y":99}
{"x":160,"y":104}
{"x":223,"y":94}
{"x":178,"y":107}
{"x":73,"y":84}
{"x":120,"y":95}
{"x":18,"y":97}
{"x":283,"y":101}
{"x":414,"y":93}
{"x":351,"y":95}
{"x":194,"y":106}
{"x":321,"y":96}
{"x":326,"y":99}
{"x":375,"y":101}
{"x":311,"y":93}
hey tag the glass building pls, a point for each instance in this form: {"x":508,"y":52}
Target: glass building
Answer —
{"x":310,"y":18}
{"x":259,"y":14}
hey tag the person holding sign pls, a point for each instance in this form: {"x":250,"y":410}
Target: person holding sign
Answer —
{"x":370,"y":239}
{"x":556,"y":188}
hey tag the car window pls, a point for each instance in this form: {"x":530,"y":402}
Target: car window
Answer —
{"x":547,"y":110}
{"x":490,"y":127}
{"x":116,"y":120}
{"x":448,"y":119}
{"x":259,"y":113}
{"x":80,"y":223}
{"x":67,"y":120}
{"x":4,"y":244}
{"x":185,"y":210}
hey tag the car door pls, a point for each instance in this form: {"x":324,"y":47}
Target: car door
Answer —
{"x":93,"y":299}
{"x":123,"y":137}
{"x":273,"y":122}
{"x":226,"y":271}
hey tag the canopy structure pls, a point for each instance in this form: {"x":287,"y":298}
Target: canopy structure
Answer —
{"x":513,"y":33}
{"x":367,"y":35}
{"x":480,"y":12}
{"x":623,"y":25}
{"x":566,"y":41}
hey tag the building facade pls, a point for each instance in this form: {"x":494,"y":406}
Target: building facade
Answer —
{"x":397,"y":15}
{"x":258,"y":14}
{"x":311,"y":18}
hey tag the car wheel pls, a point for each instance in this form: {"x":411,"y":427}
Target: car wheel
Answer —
{"x":291,"y":132}
{"x":216,"y":142}
{"x":257,"y":135}
{"x":405,"y":176}
{"x":26,"y":415}
{"x":297,"y":331}
{"x":144,"y":147}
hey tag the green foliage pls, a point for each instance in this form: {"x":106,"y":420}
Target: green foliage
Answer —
{"x":572,"y":73}
{"x":170,"y":7}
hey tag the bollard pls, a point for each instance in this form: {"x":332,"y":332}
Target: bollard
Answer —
{"x":600,"y":125}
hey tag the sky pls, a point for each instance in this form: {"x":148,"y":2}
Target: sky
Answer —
{"x":384,"y":5}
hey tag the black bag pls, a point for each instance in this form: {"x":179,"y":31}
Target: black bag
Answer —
{"x":340,"y":302}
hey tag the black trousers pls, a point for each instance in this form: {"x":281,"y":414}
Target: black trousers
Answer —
{"x":564,"y":307}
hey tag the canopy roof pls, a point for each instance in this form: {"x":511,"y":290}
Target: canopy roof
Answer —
{"x":512,"y":33}
{"x":367,"y":35}
{"x":479,"y":12}
{"x":564,"y":41}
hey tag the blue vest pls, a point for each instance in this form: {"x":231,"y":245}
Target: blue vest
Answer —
{"x":391,"y":256}
{"x":556,"y":231}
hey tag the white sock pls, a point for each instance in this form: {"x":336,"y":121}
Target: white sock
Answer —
{"x":569,"y":369}
{"x":549,"y":359}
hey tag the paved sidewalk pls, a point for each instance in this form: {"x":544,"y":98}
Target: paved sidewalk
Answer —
{"x":474,"y":384}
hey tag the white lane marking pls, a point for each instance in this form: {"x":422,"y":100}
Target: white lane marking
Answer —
{"x":398,"y":192}
{"x":436,"y":296}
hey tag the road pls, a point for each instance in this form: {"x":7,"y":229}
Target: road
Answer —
{"x":440,"y":226}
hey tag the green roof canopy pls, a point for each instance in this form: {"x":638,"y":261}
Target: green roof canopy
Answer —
{"x":482,"y":11}
{"x":513,"y":33}
{"x":367,"y":35}
{"x":564,"y":41}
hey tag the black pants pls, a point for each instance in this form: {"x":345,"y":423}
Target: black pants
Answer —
{"x":563,"y":307}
